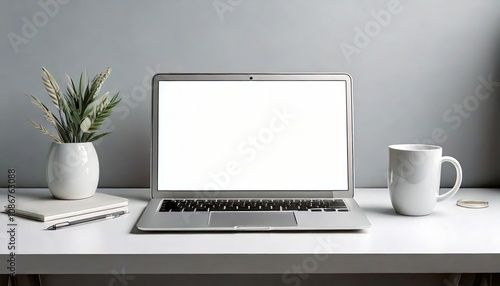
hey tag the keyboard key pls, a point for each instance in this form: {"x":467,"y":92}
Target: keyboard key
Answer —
{"x":191,"y":205}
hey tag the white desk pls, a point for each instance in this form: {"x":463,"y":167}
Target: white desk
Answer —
{"x":450,"y":240}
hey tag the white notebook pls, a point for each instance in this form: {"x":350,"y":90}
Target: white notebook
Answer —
{"x":48,"y":208}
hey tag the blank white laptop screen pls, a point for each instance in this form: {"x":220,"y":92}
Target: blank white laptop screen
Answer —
{"x":252,"y":135}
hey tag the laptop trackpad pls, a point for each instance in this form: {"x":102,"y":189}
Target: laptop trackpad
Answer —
{"x":251,"y":219}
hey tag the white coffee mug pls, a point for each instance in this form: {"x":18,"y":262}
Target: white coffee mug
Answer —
{"x":414,"y":178}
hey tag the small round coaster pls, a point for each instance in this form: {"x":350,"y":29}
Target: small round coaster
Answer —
{"x":472,"y":204}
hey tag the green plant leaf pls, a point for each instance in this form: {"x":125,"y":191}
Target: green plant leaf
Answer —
{"x":83,"y":103}
{"x":51,"y":79}
{"x":63,"y":134}
{"x":92,"y":107}
{"x":52,"y":93}
{"x":83,"y":82}
{"x":92,"y":139}
{"x":52,"y":87}
{"x":101,"y":116}
{"x":75,"y":93}
{"x":81,"y":110}
{"x":86,"y":124}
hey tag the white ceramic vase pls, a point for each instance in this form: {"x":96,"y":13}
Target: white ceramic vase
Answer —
{"x":72,"y":170}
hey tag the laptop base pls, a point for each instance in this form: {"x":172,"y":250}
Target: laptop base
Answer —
{"x":153,"y":220}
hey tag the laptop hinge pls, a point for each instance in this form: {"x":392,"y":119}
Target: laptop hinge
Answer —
{"x":249,"y":194}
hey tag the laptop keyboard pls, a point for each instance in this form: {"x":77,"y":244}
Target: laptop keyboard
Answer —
{"x":192,"y":205}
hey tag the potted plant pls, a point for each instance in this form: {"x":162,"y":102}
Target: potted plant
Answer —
{"x":72,"y":164}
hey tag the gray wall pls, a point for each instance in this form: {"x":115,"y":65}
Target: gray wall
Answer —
{"x":417,"y":76}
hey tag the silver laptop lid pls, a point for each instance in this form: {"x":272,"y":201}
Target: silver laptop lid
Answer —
{"x":252,"y":135}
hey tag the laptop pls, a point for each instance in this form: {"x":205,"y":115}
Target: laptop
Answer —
{"x":252,"y":152}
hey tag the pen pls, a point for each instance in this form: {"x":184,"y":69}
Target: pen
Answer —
{"x":100,"y":217}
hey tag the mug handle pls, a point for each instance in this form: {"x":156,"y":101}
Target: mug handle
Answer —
{"x":458,"y":181}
